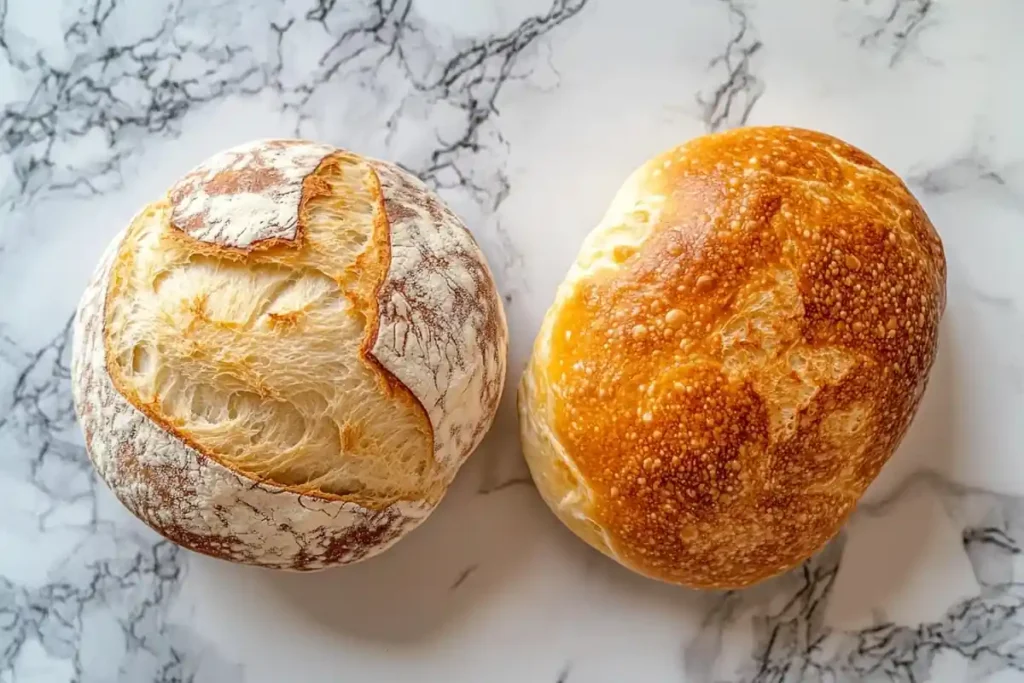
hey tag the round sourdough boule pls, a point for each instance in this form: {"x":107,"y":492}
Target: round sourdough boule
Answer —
{"x":738,"y":349}
{"x":285,"y":360}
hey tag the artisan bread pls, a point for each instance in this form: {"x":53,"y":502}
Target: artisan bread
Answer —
{"x":738,"y":349}
{"x":286,"y":359}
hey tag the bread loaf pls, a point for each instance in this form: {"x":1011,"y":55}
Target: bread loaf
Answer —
{"x":286,"y":359}
{"x":738,"y":349}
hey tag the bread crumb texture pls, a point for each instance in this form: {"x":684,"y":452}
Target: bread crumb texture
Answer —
{"x":227,"y":372}
{"x":738,"y":349}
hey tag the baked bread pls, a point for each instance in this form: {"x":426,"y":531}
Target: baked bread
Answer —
{"x":738,"y":349}
{"x":285,"y":360}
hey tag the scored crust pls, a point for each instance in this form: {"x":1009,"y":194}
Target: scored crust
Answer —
{"x":442,"y":327}
{"x":254,"y":209}
{"x":195,"y":501}
{"x":261,"y":180}
{"x":738,"y":349}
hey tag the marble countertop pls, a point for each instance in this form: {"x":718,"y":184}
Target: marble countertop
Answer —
{"x":526,"y":115}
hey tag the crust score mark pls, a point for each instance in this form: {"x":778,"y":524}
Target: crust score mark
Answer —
{"x":197,"y":333}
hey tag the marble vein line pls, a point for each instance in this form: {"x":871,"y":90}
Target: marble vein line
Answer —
{"x":969,"y":170}
{"x":793,"y":643}
{"x":111,"y":573}
{"x":897,"y":29}
{"x":463,"y":575}
{"x":116,"y":89}
{"x":729,"y":101}
{"x":507,"y":483}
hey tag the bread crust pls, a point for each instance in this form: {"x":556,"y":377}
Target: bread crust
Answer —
{"x":252,"y":199}
{"x":442,"y":328}
{"x":738,"y":349}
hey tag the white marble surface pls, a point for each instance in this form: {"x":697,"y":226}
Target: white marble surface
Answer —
{"x":527,"y":115}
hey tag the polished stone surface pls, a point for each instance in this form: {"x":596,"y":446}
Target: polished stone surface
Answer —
{"x":526,"y":115}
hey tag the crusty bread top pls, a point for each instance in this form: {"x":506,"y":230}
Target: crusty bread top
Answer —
{"x":275,"y":313}
{"x":738,"y":349}
{"x":246,"y":194}
{"x":442,"y":328}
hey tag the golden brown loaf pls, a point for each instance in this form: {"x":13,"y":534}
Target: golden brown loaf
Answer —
{"x":286,"y":359}
{"x":738,"y":349}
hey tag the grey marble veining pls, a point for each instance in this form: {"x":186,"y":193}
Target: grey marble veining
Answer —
{"x":100,"y":611}
{"x":525,"y":116}
{"x":792,"y":642}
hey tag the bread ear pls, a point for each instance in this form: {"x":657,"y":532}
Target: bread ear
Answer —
{"x":442,"y":328}
{"x":225,"y":369}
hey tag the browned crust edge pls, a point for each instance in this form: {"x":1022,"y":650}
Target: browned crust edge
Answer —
{"x":382,"y":237}
{"x":939,"y":296}
{"x":312,"y":186}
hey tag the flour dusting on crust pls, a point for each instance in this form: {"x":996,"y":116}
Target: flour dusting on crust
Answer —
{"x":198,"y":503}
{"x":442,"y":329}
{"x":246,"y":194}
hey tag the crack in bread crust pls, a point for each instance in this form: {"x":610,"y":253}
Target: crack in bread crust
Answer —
{"x":442,"y":328}
{"x":230,"y":340}
{"x":228,"y":372}
{"x":194,"y":500}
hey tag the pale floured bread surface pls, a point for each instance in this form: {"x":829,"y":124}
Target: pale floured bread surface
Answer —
{"x":258,"y":361}
{"x":261,"y":181}
{"x":736,"y":352}
{"x":442,"y":328}
{"x":266,"y":365}
{"x":194,"y":500}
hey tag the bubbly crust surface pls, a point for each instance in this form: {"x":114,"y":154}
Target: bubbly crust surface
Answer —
{"x":225,"y":370}
{"x":738,"y":349}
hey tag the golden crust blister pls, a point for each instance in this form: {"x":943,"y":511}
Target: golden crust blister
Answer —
{"x":737,"y":351}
